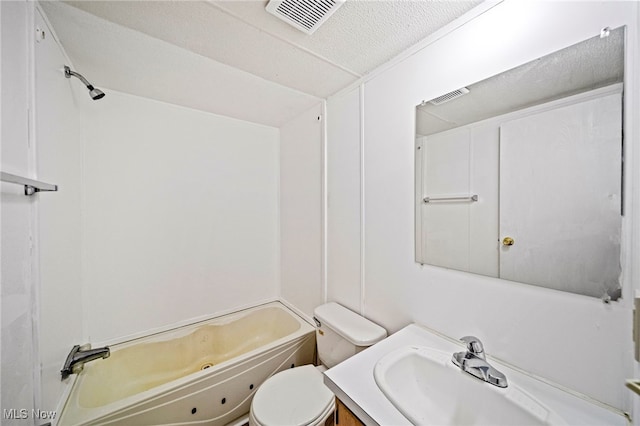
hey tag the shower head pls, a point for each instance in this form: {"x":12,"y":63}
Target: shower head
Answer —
{"x":93,"y":92}
{"x":96,"y":93}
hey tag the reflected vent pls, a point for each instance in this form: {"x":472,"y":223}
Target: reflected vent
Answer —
{"x":305,"y":15}
{"x":449,"y":96}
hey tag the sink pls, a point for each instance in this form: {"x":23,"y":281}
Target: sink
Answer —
{"x":409,"y":378}
{"x":427,"y":388}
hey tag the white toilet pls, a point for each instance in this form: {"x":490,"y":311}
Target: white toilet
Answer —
{"x":298,"y":396}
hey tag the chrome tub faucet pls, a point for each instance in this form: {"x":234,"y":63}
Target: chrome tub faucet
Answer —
{"x":473,"y":361}
{"x":80,"y":355}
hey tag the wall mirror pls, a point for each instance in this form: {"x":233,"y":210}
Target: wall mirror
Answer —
{"x":519,"y":176}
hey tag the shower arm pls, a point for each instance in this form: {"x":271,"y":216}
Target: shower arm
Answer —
{"x":93,"y":92}
{"x":68,"y":73}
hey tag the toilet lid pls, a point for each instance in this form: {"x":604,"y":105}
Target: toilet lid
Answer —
{"x":296,"y":396}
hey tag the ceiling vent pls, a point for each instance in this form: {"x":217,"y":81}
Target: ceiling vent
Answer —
{"x":449,"y":96}
{"x":305,"y":15}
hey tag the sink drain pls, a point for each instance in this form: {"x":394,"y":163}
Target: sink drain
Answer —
{"x":205,"y":366}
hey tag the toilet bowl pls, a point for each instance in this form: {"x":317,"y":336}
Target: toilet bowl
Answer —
{"x":302,"y":393}
{"x":298,"y":396}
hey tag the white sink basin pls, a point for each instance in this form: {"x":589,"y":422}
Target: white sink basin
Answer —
{"x":427,"y":388}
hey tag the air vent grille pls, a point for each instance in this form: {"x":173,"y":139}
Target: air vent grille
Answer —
{"x":449,"y":96}
{"x":305,"y":15}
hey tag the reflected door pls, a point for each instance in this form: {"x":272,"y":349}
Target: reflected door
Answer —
{"x":560,"y":189}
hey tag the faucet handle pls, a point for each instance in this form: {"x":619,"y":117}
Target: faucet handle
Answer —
{"x":474,"y":345}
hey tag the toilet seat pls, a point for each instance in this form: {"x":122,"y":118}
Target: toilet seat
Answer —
{"x":296,"y":396}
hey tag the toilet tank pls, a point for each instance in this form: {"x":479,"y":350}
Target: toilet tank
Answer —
{"x":341,"y":333}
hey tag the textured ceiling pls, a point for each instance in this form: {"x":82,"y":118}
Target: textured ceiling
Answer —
{"x":359,"y":37}
{"x":593,"y":63}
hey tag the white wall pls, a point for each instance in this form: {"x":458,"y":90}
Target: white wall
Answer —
{"x":301,"y":228}
{"x":344,"y":200}
{"x":57,"y":133}
{"x":16,"y":296}
{"x":576,"y":341}
{"x":180,"y":215}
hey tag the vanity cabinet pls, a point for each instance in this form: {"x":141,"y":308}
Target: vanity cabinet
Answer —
{"x":345,"y":417}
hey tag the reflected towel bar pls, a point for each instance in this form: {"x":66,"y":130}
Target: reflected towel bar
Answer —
{"x":471,"y":198}
{"x":30,"y":186}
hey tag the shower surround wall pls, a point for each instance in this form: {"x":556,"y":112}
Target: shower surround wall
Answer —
{"x":58,"y":295}
{"x":164,"y":214}
{"x":575,"y":341}
{"x":180,"y":215}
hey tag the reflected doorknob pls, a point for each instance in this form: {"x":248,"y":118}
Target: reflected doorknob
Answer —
{"x":507,"y":241}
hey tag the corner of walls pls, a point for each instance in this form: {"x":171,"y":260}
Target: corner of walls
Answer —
{"x":56,"y":132}
{"x":324,"y":193}
{"x":345,"y":199}
{"x":301,"y":210}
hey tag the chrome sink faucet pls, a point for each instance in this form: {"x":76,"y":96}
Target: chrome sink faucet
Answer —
{"x":473,"y":361}
{"x":80,"y":355}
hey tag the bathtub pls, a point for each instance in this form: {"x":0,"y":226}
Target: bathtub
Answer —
{"x":200,"y":374}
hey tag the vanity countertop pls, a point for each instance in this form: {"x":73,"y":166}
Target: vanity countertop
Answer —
{"x":353,"y":383}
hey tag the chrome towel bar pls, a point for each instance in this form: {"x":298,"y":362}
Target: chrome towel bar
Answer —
{"x":30,"y":186}
{"x":471,"y":198}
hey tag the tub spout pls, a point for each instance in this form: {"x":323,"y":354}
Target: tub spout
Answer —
{"x":81,"y":355}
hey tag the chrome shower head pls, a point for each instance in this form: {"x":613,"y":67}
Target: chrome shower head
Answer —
{"x":93,"y":92}
{"x":96,"y":93}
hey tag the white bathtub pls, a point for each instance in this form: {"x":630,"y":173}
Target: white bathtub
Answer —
{"x":205,"y":373}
